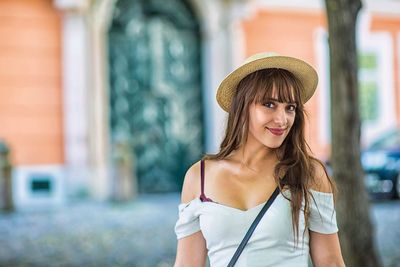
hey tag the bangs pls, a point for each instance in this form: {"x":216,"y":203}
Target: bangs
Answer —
{"x":277,"y":84}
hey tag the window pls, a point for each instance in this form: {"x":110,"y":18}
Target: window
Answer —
{"x":368,"y":86}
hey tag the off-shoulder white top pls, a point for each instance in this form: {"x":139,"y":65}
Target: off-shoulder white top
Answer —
{"x":272,"y":242}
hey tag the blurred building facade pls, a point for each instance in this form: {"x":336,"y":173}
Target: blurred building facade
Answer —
{"x":104,"y":95}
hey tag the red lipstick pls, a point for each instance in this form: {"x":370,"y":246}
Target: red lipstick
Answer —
{"x":276,"y":131}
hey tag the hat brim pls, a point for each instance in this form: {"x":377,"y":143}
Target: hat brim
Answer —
{"x":302,"y":70}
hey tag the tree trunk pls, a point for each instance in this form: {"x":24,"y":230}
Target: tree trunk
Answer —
{"x":356,"y":231}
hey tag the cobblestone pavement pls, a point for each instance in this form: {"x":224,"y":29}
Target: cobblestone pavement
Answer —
{"x":386,"y":219}
{"x":139,"y":234}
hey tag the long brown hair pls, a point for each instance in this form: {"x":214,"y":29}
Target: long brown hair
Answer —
{"x":294,"y":170}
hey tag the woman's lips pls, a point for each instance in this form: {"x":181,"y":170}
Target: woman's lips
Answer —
{"x":276,"y":131}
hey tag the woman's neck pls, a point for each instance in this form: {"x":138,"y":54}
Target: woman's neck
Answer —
{"x":255,"y":156}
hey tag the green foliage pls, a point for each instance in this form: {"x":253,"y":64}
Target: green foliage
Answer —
{"x":369,"y":105}
{"x":368,"y":86}
{"x":367,"y":60}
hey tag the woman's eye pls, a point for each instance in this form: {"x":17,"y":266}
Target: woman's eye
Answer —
{"x":269,"y":104}
{"x":292,"y":107}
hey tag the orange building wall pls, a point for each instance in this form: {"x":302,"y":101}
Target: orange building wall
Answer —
{"x":391,"y":25}
{"x":30,"y":81}
{"x":290,"y":33}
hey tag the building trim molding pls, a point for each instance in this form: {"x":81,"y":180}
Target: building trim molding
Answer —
{"x":382,"y":7}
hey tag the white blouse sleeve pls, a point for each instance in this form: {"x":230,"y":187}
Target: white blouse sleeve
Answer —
{"x":188,"y":221}
{"x":323,"y":215}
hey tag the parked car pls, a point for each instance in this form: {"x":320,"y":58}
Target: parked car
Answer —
{"x":381,"y":164}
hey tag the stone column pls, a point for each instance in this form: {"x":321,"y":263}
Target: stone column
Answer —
{"x":99,"y":20}
{"x":75,"y":94}
{"x":223,"y":50}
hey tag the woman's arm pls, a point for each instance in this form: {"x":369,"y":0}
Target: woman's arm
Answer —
{"x":191,"y":250}
{"x":325,"y":250}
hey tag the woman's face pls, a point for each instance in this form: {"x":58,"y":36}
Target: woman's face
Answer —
{"x":271,"y":121}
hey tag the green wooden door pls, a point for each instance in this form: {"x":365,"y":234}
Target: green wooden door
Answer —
{"x":155,"y":89}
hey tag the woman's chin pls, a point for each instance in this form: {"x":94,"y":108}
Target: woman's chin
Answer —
{"x":273,"y":145}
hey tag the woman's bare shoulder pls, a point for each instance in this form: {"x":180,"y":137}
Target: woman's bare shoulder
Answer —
{"x":191,"y":183}
{"x":321,"y":181}
{"x":191,"y":188}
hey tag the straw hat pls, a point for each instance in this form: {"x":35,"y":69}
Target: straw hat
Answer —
{"x":302,"y":70}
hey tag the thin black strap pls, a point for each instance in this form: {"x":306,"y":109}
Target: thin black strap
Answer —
{"x":253,"y":227}
{"x":202,"y":176}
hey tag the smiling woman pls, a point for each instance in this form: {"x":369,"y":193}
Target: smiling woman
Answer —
{"x":262,"y":173}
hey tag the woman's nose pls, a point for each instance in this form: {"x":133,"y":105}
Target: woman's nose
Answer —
{"x":280,"y":117}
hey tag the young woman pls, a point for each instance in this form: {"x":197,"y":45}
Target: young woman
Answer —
{"x":264,"y":149}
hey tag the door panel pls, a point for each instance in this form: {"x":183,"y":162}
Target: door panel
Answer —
{"x":155,"y":90}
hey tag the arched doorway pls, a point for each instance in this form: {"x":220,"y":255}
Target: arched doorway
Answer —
{"x":155,"y":90}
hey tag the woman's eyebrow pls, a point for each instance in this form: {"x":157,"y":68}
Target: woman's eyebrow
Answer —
{"x":276,"y":100}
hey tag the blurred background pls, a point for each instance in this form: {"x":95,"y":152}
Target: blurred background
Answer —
{"x":104,"y":104}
